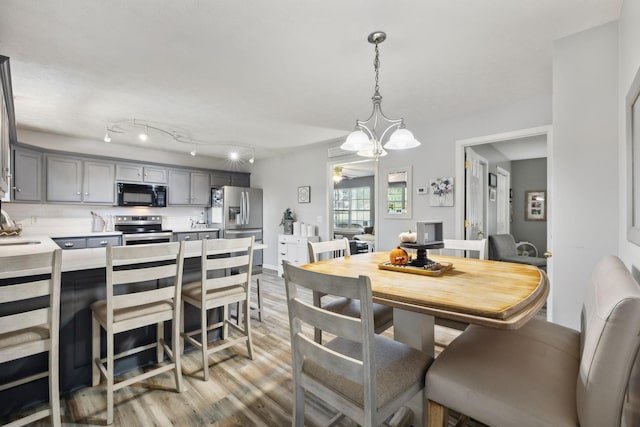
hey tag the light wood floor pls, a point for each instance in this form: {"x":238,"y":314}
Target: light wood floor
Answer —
{"x":241,"y":392}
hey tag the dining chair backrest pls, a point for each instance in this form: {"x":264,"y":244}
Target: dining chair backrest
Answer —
{"x":35,"y":330}
{"x":478,"y":246}
{"x":331,"y":248}
{"x":610,"y":341}
{"x":308,"y":354}
{"x":364,"y":376}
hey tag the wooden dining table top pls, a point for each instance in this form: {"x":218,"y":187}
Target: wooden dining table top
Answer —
{"x":490,"y":293}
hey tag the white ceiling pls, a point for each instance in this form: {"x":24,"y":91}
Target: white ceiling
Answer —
{"x":272,"y":75}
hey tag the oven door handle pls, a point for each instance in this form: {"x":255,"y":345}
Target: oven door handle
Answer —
{"x":149,"y":236}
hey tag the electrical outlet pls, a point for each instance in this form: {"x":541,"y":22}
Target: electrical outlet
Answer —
{"x":421,"y":190}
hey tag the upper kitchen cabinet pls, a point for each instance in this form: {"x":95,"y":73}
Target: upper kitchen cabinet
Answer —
{"x":189,"y":188}
{"x":139,"y":173}
{"x":219,"y":179}
{"x":240,"y":179}
{"x":27,"y":175}
{"x":82,"y":181}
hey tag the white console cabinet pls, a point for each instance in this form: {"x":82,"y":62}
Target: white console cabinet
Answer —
{"x":293,"y":249}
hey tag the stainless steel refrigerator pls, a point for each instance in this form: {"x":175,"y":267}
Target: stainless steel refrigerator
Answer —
{"x":237,"y":211}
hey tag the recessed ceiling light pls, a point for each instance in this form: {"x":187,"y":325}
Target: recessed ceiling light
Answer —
{"x":193,"y":152}
{"x":234,"y":155}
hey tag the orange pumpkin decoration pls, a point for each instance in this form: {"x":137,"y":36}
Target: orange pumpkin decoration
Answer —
{"x":398,"y":256}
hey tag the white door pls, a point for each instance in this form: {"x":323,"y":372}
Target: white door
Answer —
{"x":475,"y":195}
{"x":503,"y":202}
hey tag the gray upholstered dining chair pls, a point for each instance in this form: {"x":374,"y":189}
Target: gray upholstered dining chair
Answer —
{"x":382,"y":314}
{"x":366,"y":377}
{"x":503,"y":248}
{"x":544,"y":374}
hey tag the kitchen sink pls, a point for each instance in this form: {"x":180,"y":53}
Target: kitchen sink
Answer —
{"x":19,"y":242}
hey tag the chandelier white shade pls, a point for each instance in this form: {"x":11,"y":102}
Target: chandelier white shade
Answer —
{"x":368,"y":135}
{"x":401,"y":139}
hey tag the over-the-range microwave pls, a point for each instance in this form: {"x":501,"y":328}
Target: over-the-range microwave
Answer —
{"x":142,"y":195}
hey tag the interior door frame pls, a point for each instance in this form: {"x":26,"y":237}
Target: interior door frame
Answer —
{"x":546,"y":130}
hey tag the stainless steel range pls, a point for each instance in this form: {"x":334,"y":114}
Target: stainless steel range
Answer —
{"x":141,"y":229}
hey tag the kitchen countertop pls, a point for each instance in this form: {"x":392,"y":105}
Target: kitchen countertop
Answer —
{"x":76,"y":259}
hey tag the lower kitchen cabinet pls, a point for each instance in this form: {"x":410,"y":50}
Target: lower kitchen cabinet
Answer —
{"x":88,"y":242}
{"x":293,"y":249}
{"x":195,"y":235}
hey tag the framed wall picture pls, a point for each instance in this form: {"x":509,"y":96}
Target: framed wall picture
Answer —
{"x":492,"y":194}
{"x":441,"y":191}
{"x":304,"y":194}
{"x":535,"y":206}
{"x":493,"y":180}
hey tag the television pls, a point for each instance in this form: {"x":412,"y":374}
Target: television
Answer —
{"x":8,"y":135}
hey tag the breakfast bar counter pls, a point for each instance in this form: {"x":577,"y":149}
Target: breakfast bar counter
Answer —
{"x":83,"y":282}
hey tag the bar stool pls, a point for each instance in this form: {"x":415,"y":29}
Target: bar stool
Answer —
{"x":125,"y":309}
{"x":225,"y":279}
{"x":256,"y":273}
{"x":26,"y":333}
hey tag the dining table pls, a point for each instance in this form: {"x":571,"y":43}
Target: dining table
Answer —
{"x":484,"y":292}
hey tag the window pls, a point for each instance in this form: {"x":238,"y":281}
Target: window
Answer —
{"x":352,"y":206}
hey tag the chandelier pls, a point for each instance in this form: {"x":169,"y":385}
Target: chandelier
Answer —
{"x":368,"y":135}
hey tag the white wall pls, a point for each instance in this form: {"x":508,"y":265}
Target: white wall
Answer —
{"x":584,"y":223}
{"x":629,"y":62}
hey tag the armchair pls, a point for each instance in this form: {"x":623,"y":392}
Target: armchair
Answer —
{"x":503,"y":248}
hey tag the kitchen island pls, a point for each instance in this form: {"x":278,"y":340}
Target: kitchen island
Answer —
{"x":83,"y":282}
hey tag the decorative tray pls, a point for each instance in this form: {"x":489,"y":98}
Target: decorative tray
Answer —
{"x":425,"y":271}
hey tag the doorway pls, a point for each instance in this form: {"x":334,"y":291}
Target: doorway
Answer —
{"x":352,"y":188}
{"x":507,"y":138}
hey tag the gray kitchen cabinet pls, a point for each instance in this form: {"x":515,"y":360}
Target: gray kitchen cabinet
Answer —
{"x":140,"y":173}
{"x":179,"y":187}
{"x":88,"y":242}
{"x":200,"y":188}
{"x":71,"y":179}
{"x":101,"y":242}
{"x":206,"y":235}
{"x":179,"y":237}
{"x":219,"y":179}
{"x":240,"y":179}
{"x":189,"y":188}
{"x":64,"y":179}
{"x":98,"y":182}
{"x":27,"y":175}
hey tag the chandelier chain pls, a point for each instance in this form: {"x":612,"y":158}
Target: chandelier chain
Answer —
{"x":376,"y":67}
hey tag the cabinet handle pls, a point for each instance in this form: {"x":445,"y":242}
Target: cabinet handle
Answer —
{"x":104,"y":243}
{"x":187,"y":237}
{"x":68,"y":245}
{"x":206,"y":236}
{"x":17,"y":189}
